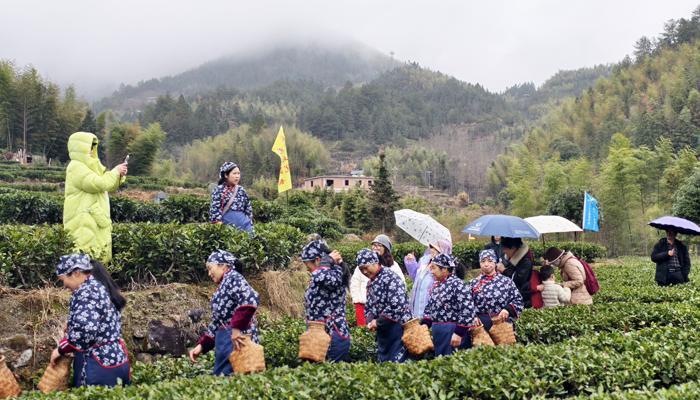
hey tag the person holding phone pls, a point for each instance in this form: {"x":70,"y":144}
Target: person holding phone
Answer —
{"x":86,"y":215}
{"x":672,"y":260}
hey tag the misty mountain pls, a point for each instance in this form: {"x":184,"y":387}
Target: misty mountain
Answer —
{"x":407,"y":102}
{"x":325,"y":65}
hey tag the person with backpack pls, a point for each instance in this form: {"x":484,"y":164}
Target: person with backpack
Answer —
{"x":573,"y":274}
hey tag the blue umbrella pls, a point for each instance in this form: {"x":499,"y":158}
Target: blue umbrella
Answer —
{"x":501,"y":225}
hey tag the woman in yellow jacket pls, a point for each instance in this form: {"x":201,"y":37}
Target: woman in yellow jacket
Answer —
{"x":86,"y":215}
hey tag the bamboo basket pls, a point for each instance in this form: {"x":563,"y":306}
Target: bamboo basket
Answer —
{"x":502,"y":332}
{"x":248,"y":358}
{"x":314,"y":343}
{"x":416,"y":338}
{"x":480,"y":337}
{"x":8,"y":384}
{"x":55,"y":377}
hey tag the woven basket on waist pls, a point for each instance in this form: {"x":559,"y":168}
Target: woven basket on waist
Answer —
{"x":249,"y":357}
{"x":416,"y":338}
{"x":55,"y":377}
{"x":502,"y":332}
{"x":314,"y":343}
{"x":480,"y":337}
{"x":8,"y":384}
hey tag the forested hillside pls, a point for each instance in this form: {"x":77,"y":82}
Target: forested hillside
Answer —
{"x":327,"y":65}
{"x":631,"y":139}
{"x":438,"y":131}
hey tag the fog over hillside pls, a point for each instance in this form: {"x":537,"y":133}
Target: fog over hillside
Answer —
{"x":497,"y":44}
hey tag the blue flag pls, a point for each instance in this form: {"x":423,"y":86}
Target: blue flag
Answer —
{"x":590,"y":213}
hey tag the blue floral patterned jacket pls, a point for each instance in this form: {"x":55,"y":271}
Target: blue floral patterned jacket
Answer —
{"x":325,"y":297}
{"x":94,"y":325}
{"x":492,"y":294}
{"x":221,"y":196}
{"x":233,"y":306}
{"x":450,"y":302}
{"x":386,"y":297}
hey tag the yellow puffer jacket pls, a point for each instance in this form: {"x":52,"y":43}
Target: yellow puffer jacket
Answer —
{"x":86,"y":208}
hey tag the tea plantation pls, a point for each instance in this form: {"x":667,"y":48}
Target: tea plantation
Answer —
{"x":638,"y":341}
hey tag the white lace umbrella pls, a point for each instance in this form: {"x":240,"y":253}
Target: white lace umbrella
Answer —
{"x":421,"y":227}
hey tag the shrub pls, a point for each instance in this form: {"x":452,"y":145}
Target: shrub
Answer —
{"x":147,"y":252}
{"x":18,"y":207}
{"x":30,"y":208}
{"x":651,"y":358}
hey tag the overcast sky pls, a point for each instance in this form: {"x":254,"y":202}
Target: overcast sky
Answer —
{"x":98,"y":44}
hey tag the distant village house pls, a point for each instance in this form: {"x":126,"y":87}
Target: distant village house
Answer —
{"x":338,"y":183}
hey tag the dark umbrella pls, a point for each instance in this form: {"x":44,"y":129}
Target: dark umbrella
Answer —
{"x":680,"y":225}
{"x":501,"y":225}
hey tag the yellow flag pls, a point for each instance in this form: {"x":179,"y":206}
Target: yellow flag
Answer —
{"x":280,"y":148}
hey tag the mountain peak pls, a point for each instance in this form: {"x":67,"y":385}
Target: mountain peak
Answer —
{"x":330,"y":64}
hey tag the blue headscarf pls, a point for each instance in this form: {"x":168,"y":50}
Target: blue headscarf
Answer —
{"x":366,"y":257}
{"x":226,"y":167}
{"x":71,"y":262}
{"x":222,"y":257}
{"x":488,"y":253}
{"x":444,"y":260}
{"x":313,"y":250}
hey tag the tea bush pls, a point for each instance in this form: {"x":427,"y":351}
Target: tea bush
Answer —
{"x":146,"y":252}
{"x":647,"y":359}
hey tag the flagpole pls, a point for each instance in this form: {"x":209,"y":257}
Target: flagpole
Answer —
{"x":583,"y":219}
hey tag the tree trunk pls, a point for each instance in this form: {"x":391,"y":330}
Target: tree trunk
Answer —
{"x":24,"y":131}
{"x":9,"y":136}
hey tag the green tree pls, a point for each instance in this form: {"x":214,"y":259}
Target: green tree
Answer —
{"x":118,"y":139}
{"x":568,"y":204}
{"x":523,"y":185}
{"x":354,"y":211}
{"x":143,"y":149}
{"x":619,"y":181}
{"x":6,"y":98}
{"x":89,"y":123}
{"x":686,"y":202}
{"x":382,"y":198}
{"x":675,"y":175}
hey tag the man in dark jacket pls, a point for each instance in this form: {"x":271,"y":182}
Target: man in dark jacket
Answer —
{"x":672,"y":260}
{"x":516,"y":264}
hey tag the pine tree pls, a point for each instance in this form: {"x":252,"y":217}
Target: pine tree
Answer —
{"x":383,"y":200}
{"x":89,"y":124}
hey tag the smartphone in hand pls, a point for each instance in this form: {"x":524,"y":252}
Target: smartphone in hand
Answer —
{"x":126,"y":160}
